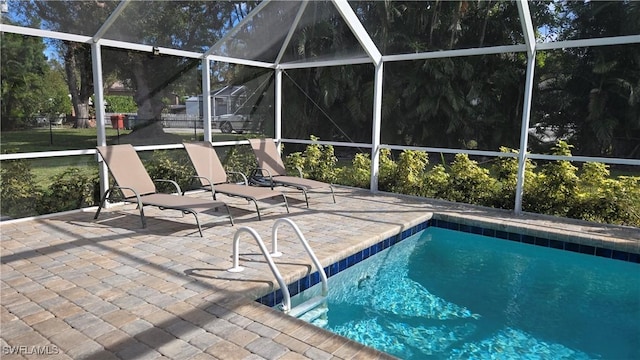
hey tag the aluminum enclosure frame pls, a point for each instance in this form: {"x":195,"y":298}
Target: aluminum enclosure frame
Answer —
{"x":374,"y":57}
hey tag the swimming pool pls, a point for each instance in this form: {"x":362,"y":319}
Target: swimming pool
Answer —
{"x":452,"y":295}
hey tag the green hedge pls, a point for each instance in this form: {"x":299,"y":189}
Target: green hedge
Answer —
{"x":555,"y":188}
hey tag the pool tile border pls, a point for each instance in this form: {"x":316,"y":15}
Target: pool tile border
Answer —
{"x":276,"y":297}
{"x":540,"y":241}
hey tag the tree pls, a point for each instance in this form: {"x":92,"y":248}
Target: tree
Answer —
{"x":333,"y":103}
{"x":476,"y":101}
{"x":23,"y":69}
{"x":30,"y":85}
{"x":182,"y":24}
{"x":68,"y":16}
{"x":77,"y":60}
{"x":592,"y":92}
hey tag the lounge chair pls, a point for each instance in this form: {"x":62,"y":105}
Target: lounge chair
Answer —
{"x":272,"y":172}
{"x":214,"y":178}
{"x":136,"y":186}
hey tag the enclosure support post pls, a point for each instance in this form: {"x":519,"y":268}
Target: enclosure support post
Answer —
{"x":526,"y":113}
{"x":206,"y":98}
{"x":375,"y":131}
{"x":96,"y":61}
{"x":527,"y":28}
{"x":278,"y":106}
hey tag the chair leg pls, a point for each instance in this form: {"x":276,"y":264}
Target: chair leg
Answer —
{"x":306,"y":197}
{"x":197,"y":221}
{"x":104,"y":199}
{"x":332,"y":194}
{"x":142,"y":218}
{"x":257,"y":208}
{"x":229,"y":212}
{"x":286,"y":203}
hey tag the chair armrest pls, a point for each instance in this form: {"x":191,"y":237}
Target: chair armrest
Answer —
{"x":205,"y":180}
{"x":178,"y":190}
{"x":244,"y":177}
{"x":116,"y":187}
{"x":259,"y":173}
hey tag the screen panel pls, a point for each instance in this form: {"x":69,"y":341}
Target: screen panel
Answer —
{"x":587,"y":97}
{"x":470,"y":103}
{"x":405,"y":27}
{"x":332,"y":103}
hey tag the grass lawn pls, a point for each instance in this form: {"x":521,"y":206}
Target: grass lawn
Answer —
{"x":57,"y":139}
{"x":36,"y":140}
{"x":66,"y":138}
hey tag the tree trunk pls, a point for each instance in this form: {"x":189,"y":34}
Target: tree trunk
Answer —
{"x":149,"y":106}
{"x":78,"y":89}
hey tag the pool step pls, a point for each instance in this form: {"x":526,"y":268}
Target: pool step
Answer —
{"x":307,"y":306}
{"x":320,"y":323}
{"x":313,"y":316}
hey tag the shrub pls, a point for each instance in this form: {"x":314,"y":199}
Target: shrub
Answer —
{"x":558,"y":188}
{"x":319,"y":162}
{"x":410,"y":172}
{"x":387,"y":171}
{"x":359,"y":174}
{"x":170,"y":166}
{"x":18,"y":190}
{"x":605,"y":200}
{"x":294,"y":163}
{"x":470,"y":183}
{"x":506,"y":173}
{"x":240,"y":159}
{"x":555,"y":188}
{"x":70,"y":190}
{"x":436,"y":183}
{"x":121,"y":104}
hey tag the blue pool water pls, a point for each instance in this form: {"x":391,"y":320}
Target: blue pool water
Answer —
{"x":444,"y":294}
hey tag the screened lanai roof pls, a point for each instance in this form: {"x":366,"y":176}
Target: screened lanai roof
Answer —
{"x":260,"y":33}
{"x":284,"y":35}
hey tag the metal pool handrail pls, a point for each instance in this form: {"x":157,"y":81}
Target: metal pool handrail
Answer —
{"x":305,"y":244}
{"x":286,"y":302}
{"x":274,"y":269}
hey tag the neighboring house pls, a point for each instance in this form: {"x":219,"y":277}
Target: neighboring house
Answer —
{"x":118,"y":88}
{"x":227,"y":108}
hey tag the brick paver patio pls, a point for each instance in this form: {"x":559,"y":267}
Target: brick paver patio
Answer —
{"x":77,"y":288}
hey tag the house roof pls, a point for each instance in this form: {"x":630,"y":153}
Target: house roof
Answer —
{"x":231,"y":90}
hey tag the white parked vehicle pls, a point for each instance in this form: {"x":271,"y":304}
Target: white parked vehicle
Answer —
{"x":229,"y":123}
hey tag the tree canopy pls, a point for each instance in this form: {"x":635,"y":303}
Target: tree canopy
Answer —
{"x":586,"y":95}
{"x":32,"y":85}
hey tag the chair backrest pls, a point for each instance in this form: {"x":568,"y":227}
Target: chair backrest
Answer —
{"x":127,"y":169}
{"x":206,"y":162}
{"x":268,"y":156}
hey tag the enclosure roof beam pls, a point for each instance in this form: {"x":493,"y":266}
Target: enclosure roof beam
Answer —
{"x":456,"y":53}
{"x":292,"y":30}
{"x":615,"y":40}
{"x":110,"y":20}
{"x":239,"y":61}
{"x":527,"y":26}
{"x":325,"y":63}
{"x":44,"y":33}
{"x":236,"y":28}
{"x":358,"y":30}
{"x":149,"y":48}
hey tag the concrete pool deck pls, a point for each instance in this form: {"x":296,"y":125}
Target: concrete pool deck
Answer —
{"x":77,"y":288}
